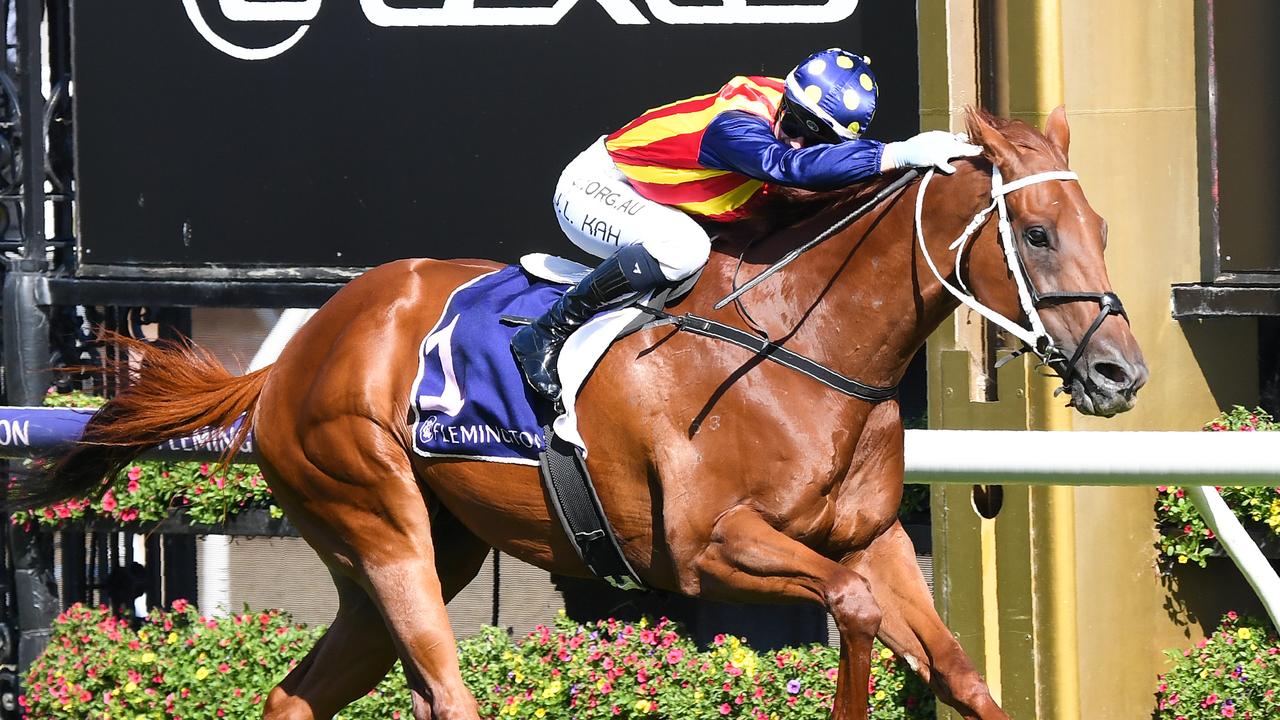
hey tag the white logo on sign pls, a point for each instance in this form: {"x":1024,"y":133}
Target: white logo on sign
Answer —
{"x":464,"y":13}
{"x":450,"y":400}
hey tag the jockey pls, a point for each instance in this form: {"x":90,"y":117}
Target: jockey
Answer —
{"x":632,"y":196}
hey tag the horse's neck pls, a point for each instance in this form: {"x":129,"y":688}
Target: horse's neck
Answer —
{"x":863,"y":302}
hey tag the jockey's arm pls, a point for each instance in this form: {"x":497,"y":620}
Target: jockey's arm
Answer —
{"x":744,"y":143}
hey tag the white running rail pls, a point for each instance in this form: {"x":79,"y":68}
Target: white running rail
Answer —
{"x":1188,"y":459}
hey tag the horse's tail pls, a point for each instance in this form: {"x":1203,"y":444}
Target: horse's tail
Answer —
{"x":177,"y":388}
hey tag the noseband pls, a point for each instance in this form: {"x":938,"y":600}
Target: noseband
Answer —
{"x":1037,"y":339}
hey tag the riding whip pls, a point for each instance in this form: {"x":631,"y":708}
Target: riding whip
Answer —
{"x":844,"y":222}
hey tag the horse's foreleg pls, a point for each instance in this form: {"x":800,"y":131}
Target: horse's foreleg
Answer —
{"x":912,"y":629}
{"x":748,"y":560}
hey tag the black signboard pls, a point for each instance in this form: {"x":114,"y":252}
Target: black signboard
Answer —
{"x":224,"y":136}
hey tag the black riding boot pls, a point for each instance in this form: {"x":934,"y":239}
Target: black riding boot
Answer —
{"x":537,"y":345}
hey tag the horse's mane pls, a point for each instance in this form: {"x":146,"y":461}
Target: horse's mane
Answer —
{"x":785,"y":207}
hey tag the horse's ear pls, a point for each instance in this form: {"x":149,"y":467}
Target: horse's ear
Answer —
{"x":981,"y":131}
{"x":1055,"y":128}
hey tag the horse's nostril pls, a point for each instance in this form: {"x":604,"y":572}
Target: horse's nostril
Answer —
{"x":1115,"y":374}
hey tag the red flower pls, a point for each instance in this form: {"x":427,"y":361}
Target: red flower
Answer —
{"x":725,"y":709}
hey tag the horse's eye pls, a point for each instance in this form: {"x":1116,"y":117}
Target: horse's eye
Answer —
{"x":1036,"y":236}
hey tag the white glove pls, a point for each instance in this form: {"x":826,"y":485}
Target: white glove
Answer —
{"x":934,"y":148}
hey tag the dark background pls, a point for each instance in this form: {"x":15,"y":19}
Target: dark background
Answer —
{"x":362,"y":144}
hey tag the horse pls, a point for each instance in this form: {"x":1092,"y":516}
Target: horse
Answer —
{"x":724,"y":476}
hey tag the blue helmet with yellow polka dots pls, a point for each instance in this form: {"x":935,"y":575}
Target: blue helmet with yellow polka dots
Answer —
{"x":832,"y":94}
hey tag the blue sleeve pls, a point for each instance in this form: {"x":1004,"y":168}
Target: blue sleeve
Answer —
{"x":739,"y":141}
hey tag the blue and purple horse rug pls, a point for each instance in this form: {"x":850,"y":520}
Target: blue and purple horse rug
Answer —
{"x":470,"y":399}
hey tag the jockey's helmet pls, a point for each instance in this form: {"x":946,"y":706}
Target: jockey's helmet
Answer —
{"x":829,"y":98}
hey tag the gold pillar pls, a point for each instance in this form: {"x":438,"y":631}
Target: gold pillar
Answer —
{"x":1057,"y":598}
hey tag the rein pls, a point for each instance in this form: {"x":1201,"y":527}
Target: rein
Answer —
{"x":771,"y":351}
{"x":1037,"y":339}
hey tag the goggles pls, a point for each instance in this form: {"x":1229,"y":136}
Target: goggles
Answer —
{"x":798,"y":122}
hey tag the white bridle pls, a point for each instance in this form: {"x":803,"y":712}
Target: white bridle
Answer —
{"x":1037,"y":338}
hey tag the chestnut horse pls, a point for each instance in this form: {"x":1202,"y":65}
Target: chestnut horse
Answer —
{"x":724,"y":477}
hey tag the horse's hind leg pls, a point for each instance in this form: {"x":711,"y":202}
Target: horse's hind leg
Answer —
{"x":328,"y":680}
{"x":912,"y":629}
{"x":748,"y":559}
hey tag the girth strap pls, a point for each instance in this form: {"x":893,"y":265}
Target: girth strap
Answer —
{"x":577,"y":507}
{"x":774,"y":353}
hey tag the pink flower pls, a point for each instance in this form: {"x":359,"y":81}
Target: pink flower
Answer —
{"x":725,"y":709}
{"x":129,"y":515}
{"x":204,"y":469}
{"x":219,"y":481}
{"x":132,"y":487}
{"x":135,"y":473}
{"x":675,"y":655}
{"x":109,"y":502}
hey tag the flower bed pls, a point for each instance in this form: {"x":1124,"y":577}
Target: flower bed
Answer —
{"x":1185,"y":538}
{"x":179,"y":664}
{"x":149,"y":491}
{"x":1235,"y":673}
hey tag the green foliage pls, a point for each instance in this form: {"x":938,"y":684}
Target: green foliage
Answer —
{"x":915,"y":502}
{"x":180,"y":664}
{"x":73,"y":399}
{"x":148,"y":491}
{"x":1184,"y":535}
{"x":1234,"y":673}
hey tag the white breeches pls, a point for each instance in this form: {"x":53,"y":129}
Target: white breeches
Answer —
{"x":600,"y":212}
